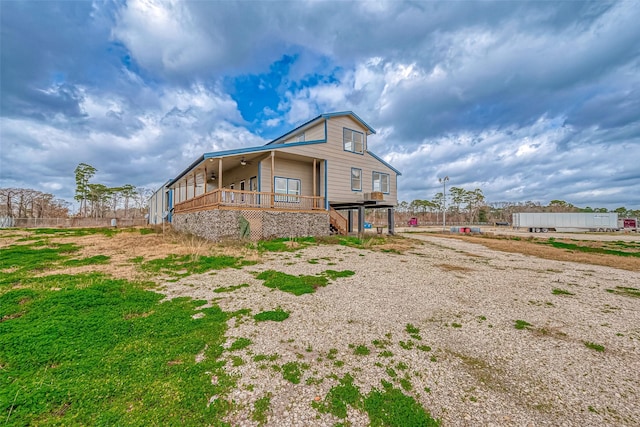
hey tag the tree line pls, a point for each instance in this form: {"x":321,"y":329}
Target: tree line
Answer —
{"x":470,"y":206}
{"x":28,"y":203}
{"x":98,"y":200}
{"x":461,"y":206}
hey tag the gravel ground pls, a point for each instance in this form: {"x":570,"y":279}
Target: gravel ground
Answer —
{"x":464,"y":299}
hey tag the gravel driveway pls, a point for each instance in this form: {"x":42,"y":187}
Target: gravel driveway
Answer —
{"x":470,"y":365}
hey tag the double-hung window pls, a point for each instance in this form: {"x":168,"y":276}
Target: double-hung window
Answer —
{"x":287,"y":189}
{"x":381,"y":182}
{"x":353,"y":141}
{"x":356,"y":179}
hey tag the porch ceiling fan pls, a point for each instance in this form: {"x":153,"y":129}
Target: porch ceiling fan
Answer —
{"x":244,"y":162}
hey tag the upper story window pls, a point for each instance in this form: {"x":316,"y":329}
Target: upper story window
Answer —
{"x":356,"y":179}
{"x":353,"y":141}
{"x":381,"y":182}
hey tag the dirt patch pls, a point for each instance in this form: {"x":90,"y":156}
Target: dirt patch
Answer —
{"x":10,"y":237}
{"x":453,"y":267}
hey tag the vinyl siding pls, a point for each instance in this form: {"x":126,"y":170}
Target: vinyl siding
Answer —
{"x":340,"y":163}
{"x":157,"y":206}
{"x":238,"y":174}
{"x":285,"y":168}
{"x":315,"y":133}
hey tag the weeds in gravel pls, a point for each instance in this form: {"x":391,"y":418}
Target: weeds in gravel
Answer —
{"x":230,"y":288}
{"x":333,"y":352}
{"x":185,"y":265}
{"x":390,"y":407}
{"x":408,"y":345}
{"x":339,"y":397}
{"x":594,"y":346}
{"x":299,"y":285}
{"x":277,"y":315}
{"x":240,"y":343}
{"x":237,"y":361}
{"x":261,"y":409}
{"x":413,"y":332}
{"x":333,"y":274}
{"x":381,"y":343}
{"x":362,"y":350}
{"x":284,"y":244}
{"x":521,"y":324}
{"x":625,"y":291}
{"x":558,"y":291}
{"x":405,"y":383}
{"x":411,"y":329}
{"x":292,"y":371}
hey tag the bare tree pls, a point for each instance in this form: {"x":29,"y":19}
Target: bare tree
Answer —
{"x":29,"y":203}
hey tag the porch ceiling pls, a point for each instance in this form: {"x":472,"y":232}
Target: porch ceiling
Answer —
{"x":232,"y":162}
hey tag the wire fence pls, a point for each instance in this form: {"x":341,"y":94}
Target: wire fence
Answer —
{"x":9,"y":222}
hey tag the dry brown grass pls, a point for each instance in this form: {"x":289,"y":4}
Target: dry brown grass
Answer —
{"x":530,"y":247}
{"x":126,"y":245}
{"x":391,"y":243}
{"x":10,"y":237}
{"x":453,"y":267}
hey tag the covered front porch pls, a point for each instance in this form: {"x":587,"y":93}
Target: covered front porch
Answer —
{"x":245,"y":179}
{"x":251,"y":194}
{"x":238,"y":199}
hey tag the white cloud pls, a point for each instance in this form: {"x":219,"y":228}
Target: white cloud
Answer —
{"x":164,"y":35}
{"x":530,"y":100}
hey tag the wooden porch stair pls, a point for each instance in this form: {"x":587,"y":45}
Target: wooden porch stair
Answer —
{"x":337,"y":223}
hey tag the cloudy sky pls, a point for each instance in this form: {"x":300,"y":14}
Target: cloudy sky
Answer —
{"x":526,"y":101}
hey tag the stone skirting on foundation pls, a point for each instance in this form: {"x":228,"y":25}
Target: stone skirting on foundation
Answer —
{"x":225,"y":224}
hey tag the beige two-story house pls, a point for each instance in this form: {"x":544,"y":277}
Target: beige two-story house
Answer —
{"x":316,"y":179}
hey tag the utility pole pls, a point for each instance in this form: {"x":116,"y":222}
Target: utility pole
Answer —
{"x":444,"y":201}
